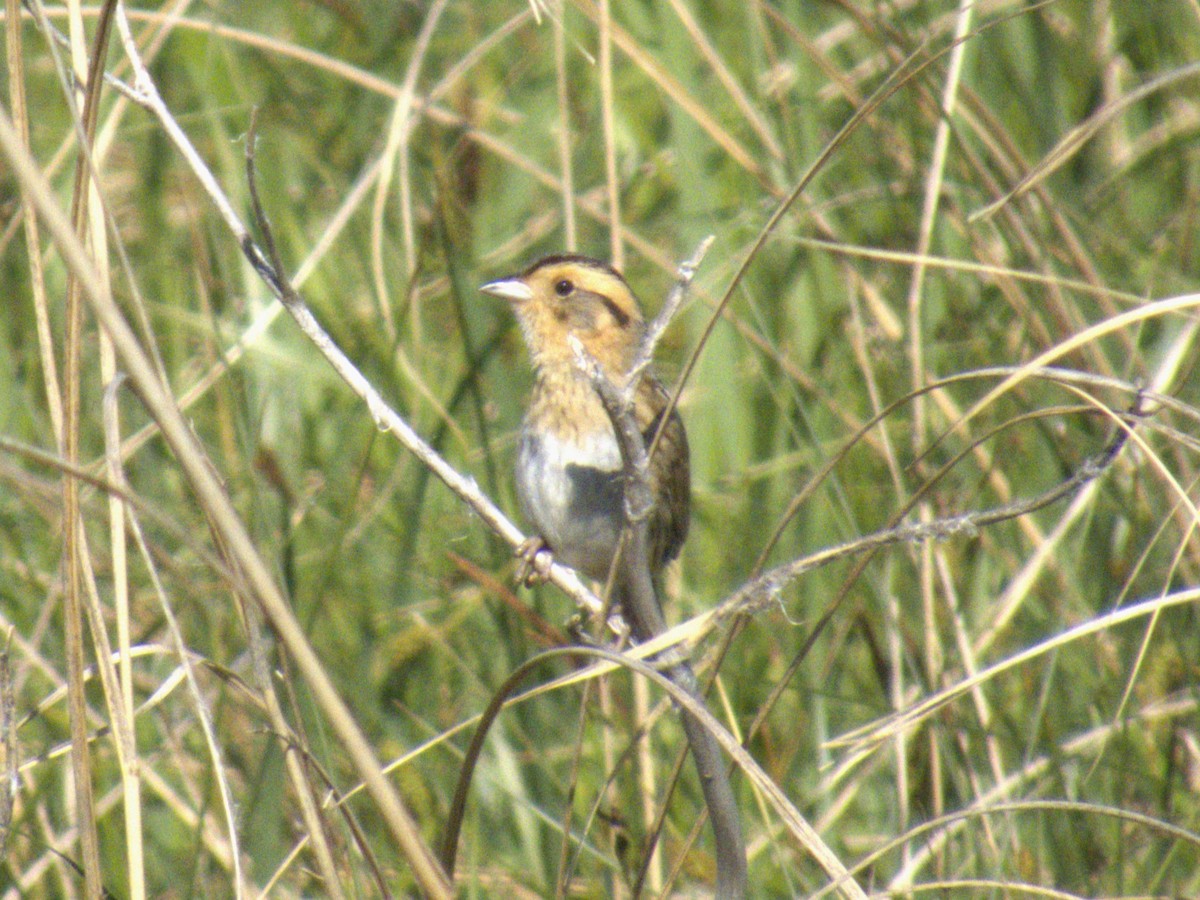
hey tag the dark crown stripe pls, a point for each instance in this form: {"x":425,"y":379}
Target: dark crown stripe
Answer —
{"x":574,"y":259}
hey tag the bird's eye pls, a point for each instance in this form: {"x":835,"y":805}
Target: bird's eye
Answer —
{"x":564,"y":287}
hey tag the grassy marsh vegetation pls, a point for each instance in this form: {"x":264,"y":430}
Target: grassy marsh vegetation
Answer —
{"x":1063,"y":751}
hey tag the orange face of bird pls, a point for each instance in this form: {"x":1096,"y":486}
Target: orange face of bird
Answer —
{"x":574,"y":295}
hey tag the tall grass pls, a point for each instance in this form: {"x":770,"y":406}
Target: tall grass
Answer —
{"x":1009,"y":709}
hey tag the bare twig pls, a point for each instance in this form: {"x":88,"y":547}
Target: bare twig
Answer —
{"x":658,"y":325}
{"x":637,"y":586}
{"x":146,"y":94}
{"x":388,"y":420}
{"x":760,"y":592}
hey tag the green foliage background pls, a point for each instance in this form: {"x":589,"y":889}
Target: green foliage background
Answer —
{"x":405,"y":593}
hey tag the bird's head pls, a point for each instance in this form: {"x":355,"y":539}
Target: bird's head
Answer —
{"x":574,"y":295}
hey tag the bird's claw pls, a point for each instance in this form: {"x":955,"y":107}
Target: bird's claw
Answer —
{"x":533,"y":562}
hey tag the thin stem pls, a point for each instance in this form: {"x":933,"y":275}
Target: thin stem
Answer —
{"x":640,"y":602}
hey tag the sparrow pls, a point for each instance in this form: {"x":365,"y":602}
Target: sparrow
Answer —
{"x":570,"y":477}
{"x":569,"y":474}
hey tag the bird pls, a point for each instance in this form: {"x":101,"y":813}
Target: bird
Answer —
{"x":569,"y":473}
{"x":570,"y":477}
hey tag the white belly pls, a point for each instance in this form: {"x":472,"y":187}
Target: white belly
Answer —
{"x":572,"y":493}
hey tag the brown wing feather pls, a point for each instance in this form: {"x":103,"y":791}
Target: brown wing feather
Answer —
{"x":670,"y":474}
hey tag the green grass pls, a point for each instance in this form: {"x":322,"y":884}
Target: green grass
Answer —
{"x":404,"y":592}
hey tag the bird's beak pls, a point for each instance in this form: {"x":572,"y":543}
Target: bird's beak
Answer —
{"x":513,"y":289}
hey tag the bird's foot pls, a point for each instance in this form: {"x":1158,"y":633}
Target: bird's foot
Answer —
{"x":533,"y":562}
